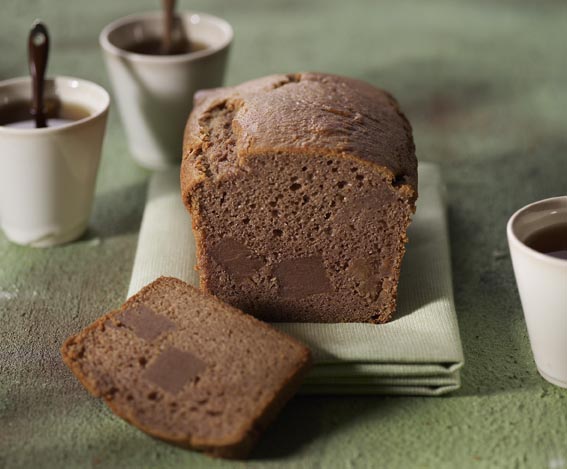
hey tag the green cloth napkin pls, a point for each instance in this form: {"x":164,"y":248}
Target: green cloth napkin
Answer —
{"x":418,"y":353}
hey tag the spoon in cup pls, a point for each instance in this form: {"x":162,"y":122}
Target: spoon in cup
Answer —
{"x":168,"y":23}
{"x":38,"y":52}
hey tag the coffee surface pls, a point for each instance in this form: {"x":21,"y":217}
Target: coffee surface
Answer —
{"x":18,"y":114}
{"x":551,"y":241}
{"x":153,"y":46}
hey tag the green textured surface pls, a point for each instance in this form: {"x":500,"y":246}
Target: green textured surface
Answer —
{"x":485,"y":86}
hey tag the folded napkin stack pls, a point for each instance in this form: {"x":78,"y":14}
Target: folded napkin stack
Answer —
{"x":418,"y":353}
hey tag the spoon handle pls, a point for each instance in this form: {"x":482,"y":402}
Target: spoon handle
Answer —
{"x":38,"y":51}
{"x":169,"y":11}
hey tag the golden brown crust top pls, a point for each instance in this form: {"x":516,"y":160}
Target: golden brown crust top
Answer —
{"x":308,"y":113}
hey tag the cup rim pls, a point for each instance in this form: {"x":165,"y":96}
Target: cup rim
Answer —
{"x":105,"y":104}
{"x":515,"y":242}
{"x":136,"y":17}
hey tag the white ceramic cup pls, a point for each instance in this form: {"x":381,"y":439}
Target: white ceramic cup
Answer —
{"x":47,"y":176}
{"x":542,"y":283}
{"x":154,"y":93}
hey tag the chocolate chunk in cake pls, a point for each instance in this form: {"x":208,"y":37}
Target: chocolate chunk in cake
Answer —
{"x":173,"y":369}
{"x":145,"y":323}
{"x":299,"y":278}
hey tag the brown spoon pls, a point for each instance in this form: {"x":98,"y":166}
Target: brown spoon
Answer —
{"x":38,"y":51}
{"x":168,"y":18}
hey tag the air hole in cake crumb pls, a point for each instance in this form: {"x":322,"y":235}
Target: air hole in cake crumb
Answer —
{"x":202,"y":399}
{"x":329,"y":162}
{"x":275,"y":213}
{"x":278,"y":233}
{"x":341,"y":184}
{"x":327,"y":215}
{"x":246,"y":221}
{"x":153,"y":396}
{"x":142,"y":361}
{"x":304,"y":168}
{"x":295,"y":186}
{"x":252,"y":206}
{"x":272,"y":203}
{"x":334,"y":170}
{"x":399,"y":180}
{"x":294,"y":178}
{"x":129,"y":397}
{"x":305,"y":199}
{"x":354,"y":169}
{"x":360,"y":177}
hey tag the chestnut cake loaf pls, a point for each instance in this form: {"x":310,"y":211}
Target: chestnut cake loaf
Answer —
{"x":301,"y":188}
{"x":184,"y":367}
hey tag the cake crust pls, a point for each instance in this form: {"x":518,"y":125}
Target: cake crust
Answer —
{"x":308,"y":113}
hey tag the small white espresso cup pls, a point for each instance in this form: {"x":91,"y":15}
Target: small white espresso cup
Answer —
{"x":542,"y":283}
{"x":48,"y":175}
{"x":154,"y":93}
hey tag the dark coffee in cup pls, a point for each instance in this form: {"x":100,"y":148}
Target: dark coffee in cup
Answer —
{"x":551,"y":240}
{"x":18,"y":114}
{"x":153,"y":46}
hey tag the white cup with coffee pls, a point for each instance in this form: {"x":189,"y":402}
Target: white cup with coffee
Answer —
{"x":154,"y":92}
{"x":537,"y":236}
{"x":48,"y":175}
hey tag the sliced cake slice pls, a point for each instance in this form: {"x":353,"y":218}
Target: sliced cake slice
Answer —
{"x":184,"y":367}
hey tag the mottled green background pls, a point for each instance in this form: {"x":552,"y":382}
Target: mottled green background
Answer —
{"x":485,"y":86}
